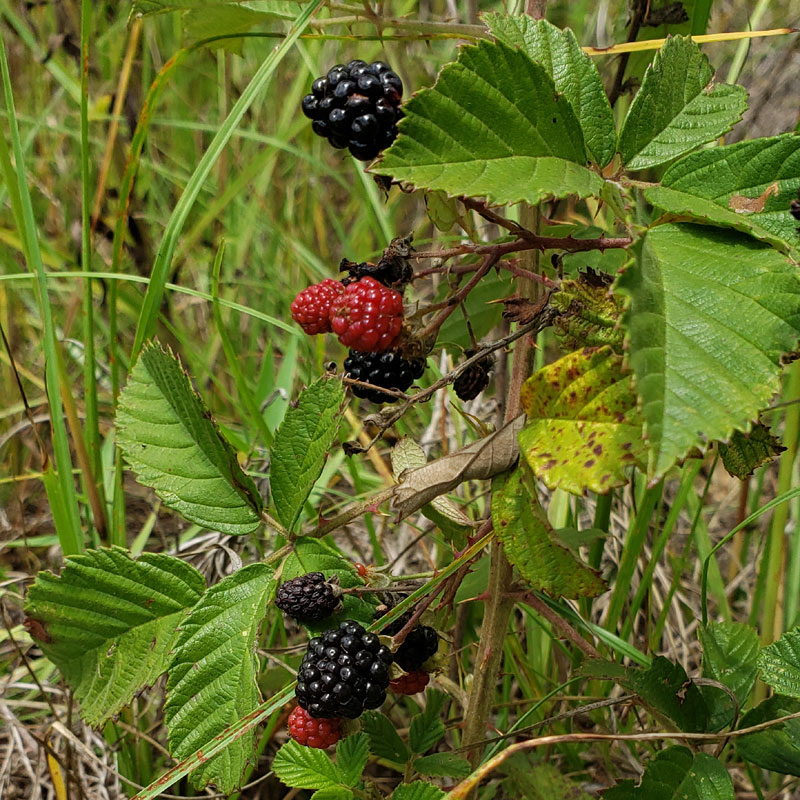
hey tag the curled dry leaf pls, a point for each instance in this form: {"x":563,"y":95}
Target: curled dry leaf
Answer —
{"x":481,"y":460}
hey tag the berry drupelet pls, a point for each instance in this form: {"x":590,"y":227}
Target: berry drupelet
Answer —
{"x":387,"y":370}
{"x":310,"y":597}
{"x":357,"y":106}
{"x":307,"y":730}
{"x":344,"y":672}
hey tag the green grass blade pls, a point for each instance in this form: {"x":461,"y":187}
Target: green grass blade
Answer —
{"x":152,"y":300}
{"x":69,"y":532}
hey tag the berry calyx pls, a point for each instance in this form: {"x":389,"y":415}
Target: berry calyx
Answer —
{"x":474,"y":379}
{"x":387,"y":370}
{"x":309,"y":597}
{"x":410,"y":683}
{"x":344,"y":672}
{"x":367,"y":316}
{"x":356,"y":106}
{"x":311,"y":732}
{"x":311,"y":308}
{"x":420,"y":645}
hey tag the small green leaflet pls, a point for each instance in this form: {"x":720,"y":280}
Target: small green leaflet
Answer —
{"x":301,"y":446}
{"x":676,"y":111}
{"x":730,"y":650}
{"x":443,"y":765}
{"x":677,"y":774}
{"x":754,"y":180}
{"x":305,"y":768}
{"x":520,"y":523}
{"x":711,"y":313}
{"x":170,"y":441}
{"x":780,"y":664}
{"x":572,"y":71}
{"x":493,"y":126}
{"x":111,"y":621}
{"x":584,"y":430}
{"x":427,"y":728}
{"x":777,"y":747}
{"x":352,"y":754}
{"x":418,"y":790}
{"x":384,"y":741}
{"x":747,"y":451}
{"x":212,"y":677}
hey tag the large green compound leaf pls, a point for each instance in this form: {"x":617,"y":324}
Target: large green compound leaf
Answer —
{"x":170,"y":441}
{"x":109,"y":622}
{"x":212,"y":677}
{"x":572,"y":71}
{"x":711,"y":313}
{"x":676,"y":111}
{"x":521,"y":525}
{"x":780,"y":664}
{"x":755,"y":180}
{"x":584,"y":430}
{"x":495,"y":126}
{"x":677,"y":774}
{"x":301,"y":446}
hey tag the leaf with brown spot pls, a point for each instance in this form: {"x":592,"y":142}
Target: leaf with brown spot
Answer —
{"x":520,"y":523}
{"x":583,"y":430}
{"x":742,"y":204}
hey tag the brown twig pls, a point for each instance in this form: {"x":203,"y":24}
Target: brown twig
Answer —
{"x":558,"y":622}
{"x":618,"y":86}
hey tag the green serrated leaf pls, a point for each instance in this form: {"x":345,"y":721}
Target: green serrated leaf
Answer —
{"x":521,"y":524}
{"x":305,"y":767}
{"x":678,"y":774}
{"x":780,"y":664}
{"x":418,"y":790}
{"x":384,"y":741}
{"x":777,"y":747}
{"x":312,"y":555}
{"x":212,"y":678}
{"x":352,"y":754}
{"x":170,"y":441}
{"x":301,"y":446}
{"x":747,"y":451}
{"x":754,"y":181}
{"x":676,"y":110}
{"x":710,"y":316}
{"x":443,"y":765}
{"x":427,"y":728}
{"x":493,"y":125}
{"x":730,"y":650}
{"x":689,"y":207}
{"x":584,"y":430}
{"x":110,"y":621}
{"x":333,"y":793}
{"x":572,"y":71}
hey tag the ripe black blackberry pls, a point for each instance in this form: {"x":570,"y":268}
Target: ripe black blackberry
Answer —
{"x":390,"y":370}
{"x":473,"y":380}
{"x":310,"y":597}
{"x":420,"y":645}
{"x":356,"y":106}
{"x":344,"y":672}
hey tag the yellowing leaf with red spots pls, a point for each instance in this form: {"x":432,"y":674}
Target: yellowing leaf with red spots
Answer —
{"x":584,"y":430}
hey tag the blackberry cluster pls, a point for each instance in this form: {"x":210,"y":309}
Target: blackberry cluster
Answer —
{"x":344,"y":672}
{"x":388,"y":370}
{"x":310,"y":597}
{"x":420,"y":645}
{"x":357,"y":106}
{"x":473,"y":380}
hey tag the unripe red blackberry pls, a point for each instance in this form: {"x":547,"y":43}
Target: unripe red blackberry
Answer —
{"x":356,"y":106}
{"x":311,"y":309}
{"x":474,"y":379}
{"x":309,"y":597}
{"x":410,"y":683}
{"x":388,"y":370}
{"x":344,"y":672}
{"x":367,"y":316}
{"x":307,"y":730}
